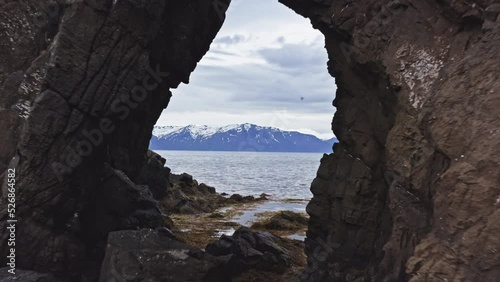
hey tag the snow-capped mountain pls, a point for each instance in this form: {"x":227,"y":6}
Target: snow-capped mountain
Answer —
{"x":238,"y":137}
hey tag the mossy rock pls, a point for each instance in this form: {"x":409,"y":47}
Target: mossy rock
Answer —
{"x":236,"y":197}
{"x":283,"y":220}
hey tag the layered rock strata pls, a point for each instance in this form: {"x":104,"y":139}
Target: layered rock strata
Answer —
{"x":82,"y":84}
{"x":412,"y":190}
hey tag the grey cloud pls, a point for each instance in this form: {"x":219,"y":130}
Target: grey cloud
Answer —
{"x":231,"y":40}
{"x":295,"y":56}
{"x":258,"y":87}
{"x":285,"y":75}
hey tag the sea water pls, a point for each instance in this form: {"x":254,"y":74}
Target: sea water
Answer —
{"x":281,"y":175}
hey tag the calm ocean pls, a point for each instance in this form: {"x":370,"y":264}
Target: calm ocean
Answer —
{"x":282,"y":175}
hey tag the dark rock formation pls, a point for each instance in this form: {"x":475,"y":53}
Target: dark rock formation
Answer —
{"x":149,"y":255}
{"x":412,"y":191}
{"x":251,"y":250}
{"x":155,"y":175}
{"x":283,"y":221}
{"x":186,"y":196}
{"x":82,"y":84}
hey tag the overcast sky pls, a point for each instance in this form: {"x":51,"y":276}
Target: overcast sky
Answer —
{"x":267,"y":66}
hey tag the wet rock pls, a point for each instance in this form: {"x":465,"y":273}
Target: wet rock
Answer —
{"x":237,"y":198}
{"x":251,"y":250}
{"x":148,"y":255}
{"x":186,"y":196}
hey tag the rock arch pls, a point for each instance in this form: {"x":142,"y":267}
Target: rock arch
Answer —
{"x":411,"y":193}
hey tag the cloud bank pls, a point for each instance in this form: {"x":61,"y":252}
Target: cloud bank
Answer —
{"x":267,"y":66}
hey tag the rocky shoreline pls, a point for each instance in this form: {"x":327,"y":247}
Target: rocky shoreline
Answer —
{"x":187,"y":196}
{"x":200,"y":229}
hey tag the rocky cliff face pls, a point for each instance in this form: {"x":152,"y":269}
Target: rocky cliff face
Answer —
{"x":412,"y":191}
{"x":77,"y":79}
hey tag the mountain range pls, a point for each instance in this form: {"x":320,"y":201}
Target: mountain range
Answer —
{"x":237,"y":137}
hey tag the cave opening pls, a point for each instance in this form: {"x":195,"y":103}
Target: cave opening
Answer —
{"x":276,"y":77}
{"x":256,"y":115}
{"x":254,"y":120}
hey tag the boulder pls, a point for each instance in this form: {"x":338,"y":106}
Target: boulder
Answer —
{"x":251,"y":250}
{"x":283,"y":220}
{"x":204,"y":188}
{"x":153,"y":256}
{"x":186,"y":196}
{"x":121,"y":204}
{"x":155,"y":175}
{"x":184,"y":178}
{"x":221,"y":247}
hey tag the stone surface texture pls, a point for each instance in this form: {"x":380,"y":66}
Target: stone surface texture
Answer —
{"x":412,"y":191}
{"x":82,"y":84}
{"x":149,"y":255}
